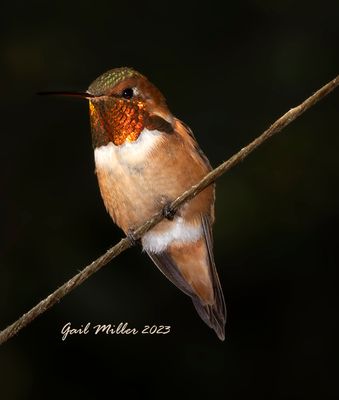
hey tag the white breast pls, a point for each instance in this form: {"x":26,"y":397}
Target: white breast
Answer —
{"x":113,"y":157}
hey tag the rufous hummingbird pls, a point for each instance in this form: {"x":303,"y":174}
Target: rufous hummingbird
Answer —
{"x":144,"y":159}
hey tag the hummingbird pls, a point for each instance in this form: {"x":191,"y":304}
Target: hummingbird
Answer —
{"x":145,"y":158}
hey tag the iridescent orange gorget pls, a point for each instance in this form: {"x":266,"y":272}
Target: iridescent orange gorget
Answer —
{"x":122,"y":120}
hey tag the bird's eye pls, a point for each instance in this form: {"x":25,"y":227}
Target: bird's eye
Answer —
{"x":127,"y":93}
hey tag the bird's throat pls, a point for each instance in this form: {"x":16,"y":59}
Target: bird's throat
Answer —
{"x":116,"y":121}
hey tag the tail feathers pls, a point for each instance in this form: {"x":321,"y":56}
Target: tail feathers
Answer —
{"x":214,"y":315}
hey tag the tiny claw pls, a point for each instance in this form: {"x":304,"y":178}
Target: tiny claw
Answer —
{"x":130,"y":236}
{"x":168,"y":212}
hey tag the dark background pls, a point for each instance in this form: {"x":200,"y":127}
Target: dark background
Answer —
{"x":228,"y":71}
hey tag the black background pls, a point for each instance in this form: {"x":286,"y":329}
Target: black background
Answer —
{"x":228,"y":71}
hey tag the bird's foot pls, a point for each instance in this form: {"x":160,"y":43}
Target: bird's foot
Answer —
{"x":168,"y":212}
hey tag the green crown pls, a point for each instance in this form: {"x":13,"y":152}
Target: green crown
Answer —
{"x":109,"y":79}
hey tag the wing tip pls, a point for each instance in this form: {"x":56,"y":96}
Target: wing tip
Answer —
{"x":220,"y":334}
{"x":213,"y":315}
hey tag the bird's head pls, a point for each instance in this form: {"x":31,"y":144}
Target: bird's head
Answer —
{"x":122,"y":103}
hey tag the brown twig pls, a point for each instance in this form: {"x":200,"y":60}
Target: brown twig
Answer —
{"x":125,"y":243}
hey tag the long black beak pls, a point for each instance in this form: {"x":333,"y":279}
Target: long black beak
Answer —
{"x":83,"y":95}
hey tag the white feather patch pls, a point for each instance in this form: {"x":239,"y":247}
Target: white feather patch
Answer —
{"x":129,"y":153}
{"x":180,"y":231}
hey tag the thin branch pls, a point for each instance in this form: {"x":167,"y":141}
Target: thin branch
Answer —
{"x":125,"y":243}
